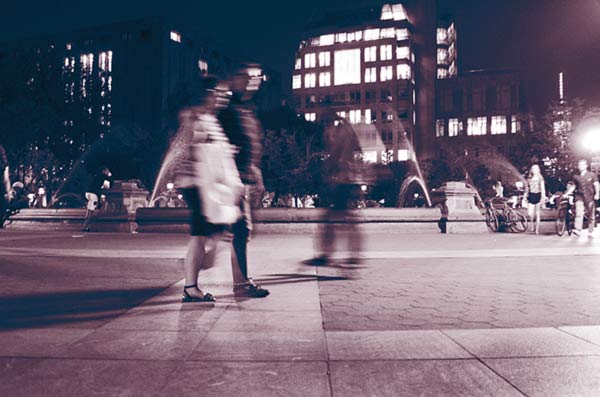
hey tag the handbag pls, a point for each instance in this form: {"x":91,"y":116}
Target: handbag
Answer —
{"x":219,"y":184}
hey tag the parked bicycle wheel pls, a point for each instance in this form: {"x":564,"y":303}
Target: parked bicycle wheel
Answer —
{"x":570,"y":222}
{"x":518,"y":222}
{"x":491,"y":220}
{"x":561,"y":222}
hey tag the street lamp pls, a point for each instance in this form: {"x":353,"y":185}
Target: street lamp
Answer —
{"x":588,"y":140}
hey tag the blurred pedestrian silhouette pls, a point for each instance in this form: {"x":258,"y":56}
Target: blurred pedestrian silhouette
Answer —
{"x":244,"y":132}
{"x":210,"y":185}
{"x":99,"y":184}
{"x":343,"y":170}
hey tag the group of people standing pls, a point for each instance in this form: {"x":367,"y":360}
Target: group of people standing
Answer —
{"x":583,"y":186}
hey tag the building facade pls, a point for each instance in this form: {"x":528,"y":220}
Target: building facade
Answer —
{"x":131,"y":74}
{"x":482,"y":110}
{"x":374,"y":67}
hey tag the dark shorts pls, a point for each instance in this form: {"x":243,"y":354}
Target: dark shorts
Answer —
{"x":534,"y":198}
{"x":198,"y":224}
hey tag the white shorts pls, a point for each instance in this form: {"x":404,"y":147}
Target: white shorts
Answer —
{"x":92,"y":199}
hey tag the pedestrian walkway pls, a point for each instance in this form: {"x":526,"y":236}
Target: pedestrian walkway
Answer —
{"x":425,"y":315}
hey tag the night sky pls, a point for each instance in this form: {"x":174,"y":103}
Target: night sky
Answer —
{"x":539,"y":37}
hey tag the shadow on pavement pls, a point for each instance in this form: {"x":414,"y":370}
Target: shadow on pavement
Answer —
{"x":55,"y":308}
{"x":289,"y":278}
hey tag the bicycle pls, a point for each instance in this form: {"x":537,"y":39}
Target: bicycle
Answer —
{"x":500,"y":216}
{"x":565,"y":219}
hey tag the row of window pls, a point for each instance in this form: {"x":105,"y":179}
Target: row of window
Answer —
{"x":477,"y":126}
{"x":355,"y":97}
{"x":502,"y":97}
{"x":361,"y":35}
{"x":347,"y":76}
{"x":357,"y":116}
{"x":369,"y":55}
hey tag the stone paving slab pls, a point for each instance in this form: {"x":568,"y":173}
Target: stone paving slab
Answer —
{"x":136,"y":345}
{"x":417,"y":378}
{"x":590,"y":333}
{"x":249,"y":379}
{"x":392,"y":345}
{"x":519,"y":342}
{"x":262,"y":346}
{"x":551,"y":376}
{"x":38,"y":342}
{"x":68,"y":377}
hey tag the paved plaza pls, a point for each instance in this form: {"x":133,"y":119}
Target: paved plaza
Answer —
{"x":427,"y":314}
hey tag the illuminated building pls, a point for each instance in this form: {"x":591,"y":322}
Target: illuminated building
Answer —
{"x":126,"y":74}
{"x":484,"y":108}
{"x":377,"y":68}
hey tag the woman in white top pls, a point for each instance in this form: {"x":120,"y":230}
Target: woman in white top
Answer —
{"x":535,"y":191}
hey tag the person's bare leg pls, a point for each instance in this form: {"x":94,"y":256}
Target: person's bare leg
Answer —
{"x":194,"y":260}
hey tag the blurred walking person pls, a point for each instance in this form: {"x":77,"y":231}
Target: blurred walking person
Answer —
{"x":98,"y":185}
{"x":210,"y":184}
{"x":343,"y":173}
{"x":244,"y":132}
{"x":535,"y":192}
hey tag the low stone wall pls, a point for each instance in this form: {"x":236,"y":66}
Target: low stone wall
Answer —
{"x":271,"y":220}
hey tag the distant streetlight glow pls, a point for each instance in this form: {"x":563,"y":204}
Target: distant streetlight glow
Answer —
{"x":590,"y":140}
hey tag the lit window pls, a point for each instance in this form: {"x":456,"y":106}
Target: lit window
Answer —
{"x":350,"y":36}
{"x":326,"y":39}
{"x":442,"y":56}
{"x":386,"y":73}
{"x":296,"y":82}
{"x":387,"y":33}
{"x":202,"y":66}
{"x":298,"y":64}
{"x":498,"y":125}
{"x":358,"y":35}
{"x":341,"y":114}
{"x":439,"y":128}
{"x":453,"y":127}
{"x":476,"y":126}
{"x":310,"y":80}
{"x":310,"y":60}
{"x":310,"y":116}
{"x":371,"y":34}
{"x":370,"y":156}
{"x":403,"y":72}
{"x":347,"y":67}
{"x":403,"y":155}
{"x":355,"y":117}
{"x":402,"y":34}
{"x":370,"y":75}
{"x":442,"y":36}
{"x":368,"y":119}
{"x":324,"y":58}
{"x":341,"y":37}
{"x":515,"y":125}
{"x":442,"y":73}
{"x":371,"y":54}
{"x":385,"y":52}
{"x":105,"y":61}
{"x":402,"y":53}
{"x":324,"y":79}
{"x":386,"y":12}
{"x":175,"y":36}
{"x":398,"y":12}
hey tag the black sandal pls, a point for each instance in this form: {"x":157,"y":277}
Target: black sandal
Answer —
{"x":188,"y":298}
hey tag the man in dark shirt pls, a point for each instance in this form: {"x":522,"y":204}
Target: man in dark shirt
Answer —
{"x":244,"y":131}
{"x":587,"y":192}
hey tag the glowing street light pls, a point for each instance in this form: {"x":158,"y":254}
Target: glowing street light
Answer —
{"x":588,"y":140}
